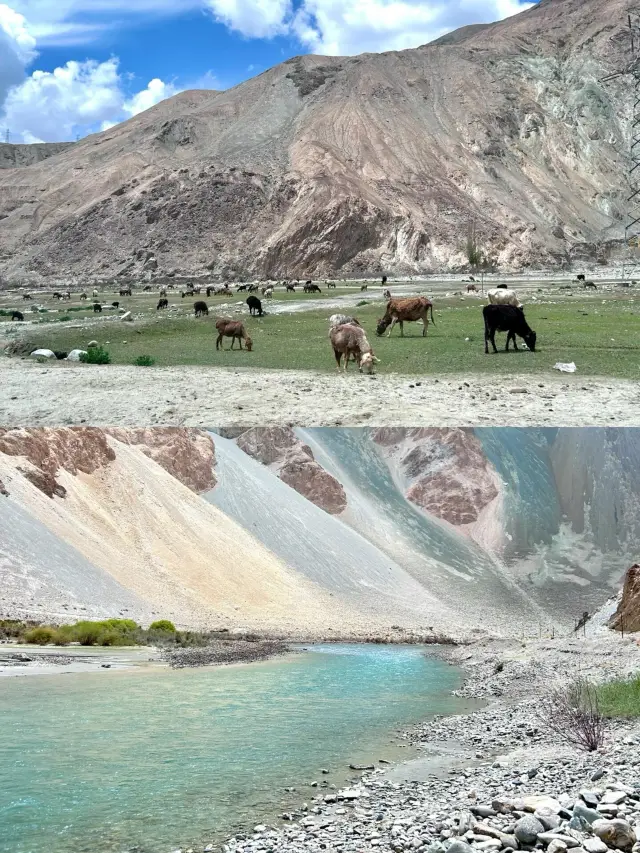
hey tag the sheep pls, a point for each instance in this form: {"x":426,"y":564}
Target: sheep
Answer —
{"x":502,"y":296}
{"x":342,"y":320}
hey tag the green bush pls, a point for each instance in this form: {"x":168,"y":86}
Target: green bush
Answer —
{"x":96,"y":355}
{"x":40,"y":636}
{"x":77,"y":308}
{"x":361,"y":303}
{"x":144,"y":361}
{"x":163,"y":625}
{"x":64,"y":319}
{"x":87,"y":633}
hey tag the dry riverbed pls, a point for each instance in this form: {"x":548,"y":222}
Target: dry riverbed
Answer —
{"x":37,"y":395}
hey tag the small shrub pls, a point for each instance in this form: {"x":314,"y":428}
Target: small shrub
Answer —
{"x":64,"y":319}
{"x":620,"y":698}
{"x":573,"y":712}
{"x":144,"y":361}
{"x":96,"y":355}
{"x":41,"y":636}
{"x":361,"y":303}
{"x":87,"y":633}
{"x":163,"y":625}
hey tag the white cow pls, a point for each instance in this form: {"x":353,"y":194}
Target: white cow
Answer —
{"x":502,"y":296}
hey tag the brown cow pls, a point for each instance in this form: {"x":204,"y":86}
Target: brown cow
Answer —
{"x":410,"y":308}
{"x":234,"y":330}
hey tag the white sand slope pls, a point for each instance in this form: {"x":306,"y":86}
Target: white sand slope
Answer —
{"x":169,"y":547}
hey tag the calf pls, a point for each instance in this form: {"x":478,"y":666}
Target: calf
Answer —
{"x":234,"y":330}
{"x":268,"y":292}
{"x":363,"y":287}
{"x":18,"y":316}
{"x":255,"y":306}
{"x":503,"y":296}
{"x":27,"y":296}
{"x":201,"y":309}
{"x":330,"y":285}
{"x":590,"y":284}
{"x":83,"y":296}
{"x":348,"y":340}
{"x":386,"y":294}
{"x":471,"y":288}
{"x":242,"y":287}
{"x":162,"y":303}
{"x":509,"y":319}
{"x":115,"y":305}
{"x":411,"y":308}
{"x":97,"y":308}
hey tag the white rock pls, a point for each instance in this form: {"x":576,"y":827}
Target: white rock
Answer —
{"x":127,"y":317}
{"x":43,"y":353}
{"x":613,"y":798}
{"x":75,"y":354}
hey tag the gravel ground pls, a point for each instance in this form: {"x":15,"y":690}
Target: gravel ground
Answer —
{"x":36,"y":395}
{"x":523,"y":787}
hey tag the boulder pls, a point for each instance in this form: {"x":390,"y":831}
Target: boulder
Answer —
{"x":547,"y":817}
{"x":556,"y":846}
{"x":613,"y":798}
{"x":127,"y":317}
{"x":43,"y":353}
{"x":458,"y":845}
{"x":527,"y":829}
{"x":75,"y":354}
{"x":627,"y":616}
{"x":594,"y":845}
{"x":615,"y":833}
{"x":92,"y":344}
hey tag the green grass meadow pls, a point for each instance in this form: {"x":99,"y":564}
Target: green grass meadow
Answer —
{"x":601,"y":337}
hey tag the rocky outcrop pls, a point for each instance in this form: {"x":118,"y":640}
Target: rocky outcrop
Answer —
{"x":281,"y":450}
{"x":187,"y":454}
{"x":14,"y":156}
{"x":627,"y":616}
{"x":354,"y":164}
{"x":446,"y":470}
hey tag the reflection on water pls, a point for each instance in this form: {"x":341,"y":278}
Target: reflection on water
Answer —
{"x":159,"y":758}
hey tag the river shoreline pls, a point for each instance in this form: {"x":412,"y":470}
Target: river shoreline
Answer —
{"x":470,"y":760}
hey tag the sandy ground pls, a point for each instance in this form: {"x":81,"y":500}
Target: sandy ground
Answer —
{"x":37,"y":395}
{"x":21,"y":660}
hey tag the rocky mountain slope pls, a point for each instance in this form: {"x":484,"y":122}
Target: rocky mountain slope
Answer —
{"x":14,"y":156}
{"x":345,"y":165}
{"x":317,"y":532}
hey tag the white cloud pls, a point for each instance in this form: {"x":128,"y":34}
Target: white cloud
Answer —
{"x":17,"y":49}
{"x":346,"y":27}
{"x":78,"y":98}
{"x":253,"y":18}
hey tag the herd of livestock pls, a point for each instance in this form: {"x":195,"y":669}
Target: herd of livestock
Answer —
{"x":503,"y":313}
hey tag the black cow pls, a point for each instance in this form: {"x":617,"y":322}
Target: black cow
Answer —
{"x":509,"y":319}
{"x":311,"y":288}
{"x":97,"y":308}
{"x":201,"y":309}
{"x":115,"y":304}
{"x":242,"y":287}
{"x":291,"y":288}
{"x":581,"y":276}
{"x":255,"y":306}
{"x":384,"y":280}
{"x":590,"y":284}
{"x":503,"y":286}
{"x":18,"y":316}
{"x":331,"y":284}
{"x":162,"y":303}
{"x":60,"y":355}
{"x":125,"y":291}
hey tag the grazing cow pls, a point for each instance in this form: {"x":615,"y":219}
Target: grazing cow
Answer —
{"x":57,"y":295}
{"x":115,"y":305}
{"x":252,"y":288}
{"x":308,"y":281}
{"x":509,"y":319}
{"x":331,"y":284}
{"x":201,"y":309}
{"x":125,"y":291}
{"x":147,"y":288}
{"x":268,"y":292}
{"x":234,"y":330}
{"x":590,"y":284}
{"x":386,"y":294}
{"x":162,"y":303}
{"x":580,"y":277}
{"x":18,"y":316}
{"x":97,"y":308}
{"x":291,"y":288}
{"x":471,"y":288}
{"x":95,"y":293}
{"x":186,"y":293}
{"x":363,"y":287}
{"x":410,"y":308}
{"x":349,"y":340}
{"x":83,"y":296}
{"x":503,"y":296}
{"x":27,"y":296}
{"x":311,"y":288}
{"x":255,"y":306}
{"x":342,"y":320}
{"x":242,"y":287}
{"x":502,"y":286}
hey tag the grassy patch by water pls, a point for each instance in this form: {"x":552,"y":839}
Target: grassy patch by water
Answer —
{"x":620,"y":698}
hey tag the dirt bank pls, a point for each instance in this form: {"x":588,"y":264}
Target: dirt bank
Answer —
{"x":36,"y":395}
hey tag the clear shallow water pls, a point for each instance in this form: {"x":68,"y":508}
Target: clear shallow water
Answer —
{"x":158,"y":758}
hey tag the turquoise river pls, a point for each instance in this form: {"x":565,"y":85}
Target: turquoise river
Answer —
{"x":157,"y":759}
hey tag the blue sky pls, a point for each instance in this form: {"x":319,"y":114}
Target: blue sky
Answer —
{"x":70,"y":67}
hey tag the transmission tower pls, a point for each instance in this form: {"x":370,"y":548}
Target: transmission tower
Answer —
{"x":632,"y":72}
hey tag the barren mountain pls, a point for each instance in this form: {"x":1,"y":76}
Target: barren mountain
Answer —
{"x":334,"y":165}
